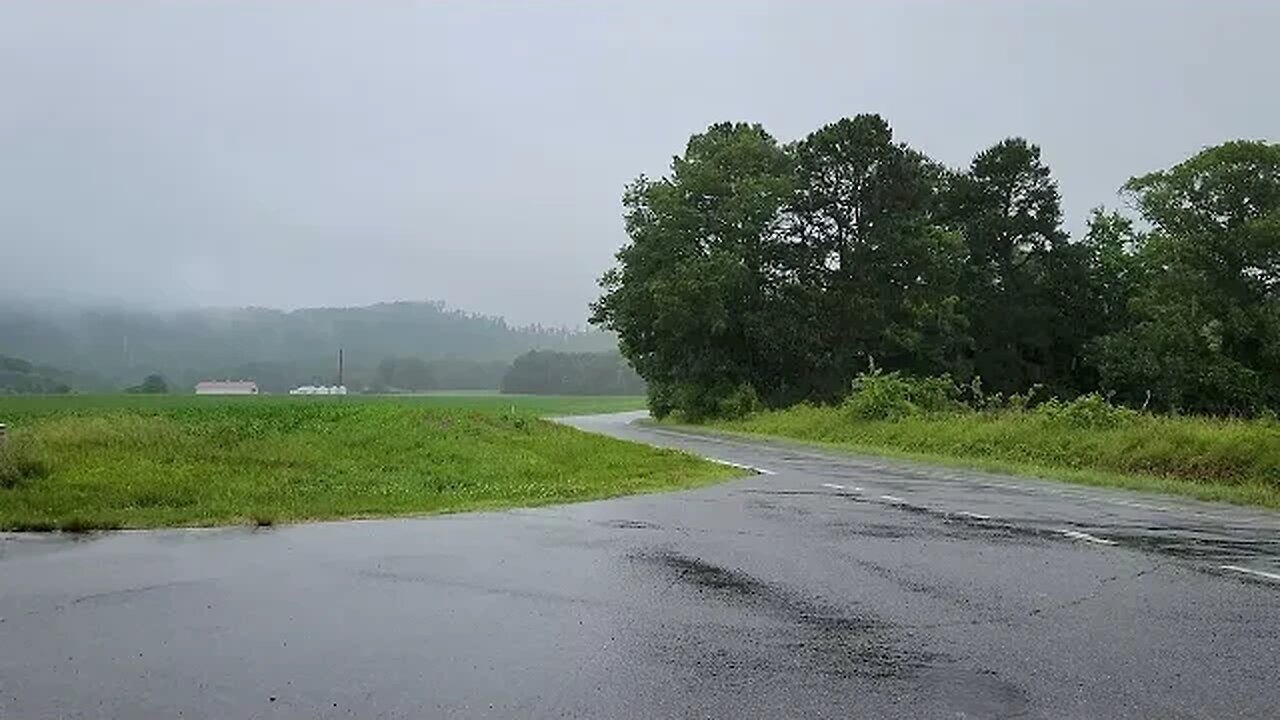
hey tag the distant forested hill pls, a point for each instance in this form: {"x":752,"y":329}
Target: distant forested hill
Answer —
{"x":122,"y":346}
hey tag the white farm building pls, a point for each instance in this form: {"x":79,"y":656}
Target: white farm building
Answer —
{"x":319,"y":390}
{"x":226,"y":387}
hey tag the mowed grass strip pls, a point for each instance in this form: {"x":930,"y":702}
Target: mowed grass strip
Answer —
{"x":263,"y":461}
{"x":1207,"y":458}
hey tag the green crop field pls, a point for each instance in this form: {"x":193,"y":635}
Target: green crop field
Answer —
{"x":15,"y":407}
{"x":87,"y":462}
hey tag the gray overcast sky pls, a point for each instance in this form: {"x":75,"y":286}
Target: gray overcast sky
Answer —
{"x":323,"y":153}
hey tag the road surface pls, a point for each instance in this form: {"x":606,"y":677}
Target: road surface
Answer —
{"x":825,"y":586}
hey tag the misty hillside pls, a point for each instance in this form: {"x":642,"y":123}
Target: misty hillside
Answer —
{"x":19,"y":377}
{"x":120,"y":346}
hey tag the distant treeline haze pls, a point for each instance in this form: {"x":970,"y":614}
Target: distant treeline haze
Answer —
{"x":20,"y":377}
{"x":546,"y":372}
{"x":108,"y":350}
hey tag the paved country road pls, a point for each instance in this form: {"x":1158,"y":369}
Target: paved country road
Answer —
{"x":832,"y":586}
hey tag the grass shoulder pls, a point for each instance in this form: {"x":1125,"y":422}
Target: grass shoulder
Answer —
{"x":263,"y":461}
{"x":1225,"y":460}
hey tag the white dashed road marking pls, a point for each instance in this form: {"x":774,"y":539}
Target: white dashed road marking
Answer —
{"x":1077,"y":535}
{"x":893,"y":499}
{"x":974,"y":515}
{"x":740,"y":466}
{"x":1256,"y":573}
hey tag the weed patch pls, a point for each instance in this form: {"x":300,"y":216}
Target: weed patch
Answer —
{"x":1085,"y":440}
{"x":22,"y":459}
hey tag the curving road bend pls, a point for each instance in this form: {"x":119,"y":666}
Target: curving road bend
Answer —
{"x":828,"y":585}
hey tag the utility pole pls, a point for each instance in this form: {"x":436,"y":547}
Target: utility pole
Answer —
{"x":339,"y":367}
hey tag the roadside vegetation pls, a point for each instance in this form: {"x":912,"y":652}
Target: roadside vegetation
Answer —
{"x":760,"y":273}
{"x":761,"y":277}
{"x":84,"y":463}
{"x":1086,"y":440}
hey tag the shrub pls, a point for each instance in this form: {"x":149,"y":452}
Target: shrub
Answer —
{"x":662,"y":399}
{"x":696,"y":403}
{"x":888,"y":396}
{"x":1090,"y":411}
{"x":739,"y":403}
{"x":1021,"y":402}
{"x":21,"y":459}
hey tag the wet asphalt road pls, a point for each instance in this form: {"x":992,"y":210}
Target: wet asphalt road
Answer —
{"x":834,"y":587}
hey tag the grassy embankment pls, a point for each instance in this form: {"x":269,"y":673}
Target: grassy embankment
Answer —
{"x":85,"y":463}
{"x":1086,"y":442}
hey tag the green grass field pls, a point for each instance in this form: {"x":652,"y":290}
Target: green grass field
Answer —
{"x":1208,"y":458}
{"x":15,"y":407}
{"x":85,"y":462}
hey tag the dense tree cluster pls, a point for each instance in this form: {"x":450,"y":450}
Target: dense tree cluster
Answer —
{"x":758,"y":272}
{"x":153,"y":384}
{"x":546,"y":372}
{"x":406,"y":373}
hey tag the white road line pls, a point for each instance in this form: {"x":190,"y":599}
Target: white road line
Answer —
{"x":1247,"y":571}
{"x":1130,"y":503}
{"x":833,"y":486}
{"x":740,"y":466}
{"x":974,"y":515}
{"x":1077,"y":535}
{"x":893,"y":499}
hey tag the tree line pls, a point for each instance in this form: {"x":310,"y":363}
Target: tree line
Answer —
{"x":546,"y":372}
{"x":415,"y":374}
{"x":536,"y":372}
{"x":763,"y":273}
{"x":108,"y":348}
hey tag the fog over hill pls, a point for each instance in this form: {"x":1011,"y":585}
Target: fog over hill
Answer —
{"x":119,"y":345}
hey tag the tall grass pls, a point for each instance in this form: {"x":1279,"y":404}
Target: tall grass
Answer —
{"x":1087,"y":440}
{"x":22,"y":459}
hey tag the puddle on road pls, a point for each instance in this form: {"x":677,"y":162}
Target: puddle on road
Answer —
{"x":780,"y":626}
{"x":629,"y":524}
{"x":1188,"y":541}
{"x":790,"y":493}
{"x":780,"y":636}
{"x":1193,"y":544}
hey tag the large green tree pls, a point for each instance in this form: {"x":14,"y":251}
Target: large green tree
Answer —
{"x":1205,"y":327}
{"x":1022,"y":277}
{"x":864,"y":215}
{"x":691,"y":297}
{"x":153,"y":384}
